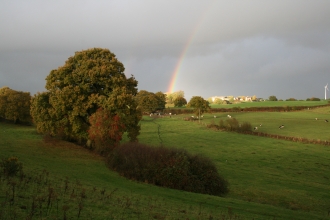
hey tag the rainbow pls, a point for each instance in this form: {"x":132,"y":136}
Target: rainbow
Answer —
{"x":179,"y":63}
{"x":185,"y":50}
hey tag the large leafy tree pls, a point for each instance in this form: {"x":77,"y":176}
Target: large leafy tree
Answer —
{"x":150,"y":102}
{"x":15,"y":105}
{"x":199,"y":105}
{"x":90,"y":80}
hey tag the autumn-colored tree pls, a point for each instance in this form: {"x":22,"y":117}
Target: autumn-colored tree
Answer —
{"x":150,"y":102}
{"x":15,"y":105}
{"x":199,"y":104}
{"x":105,"y":131}
{"x":89,"y":80}
{"x":180,"y":101}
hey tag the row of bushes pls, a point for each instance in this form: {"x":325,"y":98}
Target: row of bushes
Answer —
{"x":288,"y":138}
{"x":245,"y":109}
{"x":167,"y":167}
{"x":233,"y":125}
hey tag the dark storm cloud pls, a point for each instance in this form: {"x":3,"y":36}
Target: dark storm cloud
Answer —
{"x":253,"y":47}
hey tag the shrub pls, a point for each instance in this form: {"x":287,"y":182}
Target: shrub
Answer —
{"x":272,"y":98}
{"x":11,"y":166}
{"x":313,"y":99}
{"x":167,"y":167}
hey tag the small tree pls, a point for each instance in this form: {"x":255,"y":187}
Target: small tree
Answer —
{"x":272,"y":98}
{"x":106,"y":130}
{"x":150,"y":102}
{"x":199,"y":104}
{"x":15,"y":105}
{"x":180,"y":101}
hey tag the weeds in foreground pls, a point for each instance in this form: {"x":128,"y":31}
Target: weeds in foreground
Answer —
{"x":38,"y":195}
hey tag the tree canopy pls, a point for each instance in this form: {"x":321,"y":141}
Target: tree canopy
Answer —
{"x":150,"y":102}
{"x":15,"y":105}
{"x":272,"y":98}
{"x":180,"y":101}
{"x":171,"y":97}
{"x":90,"y":80}
{"x":199,"y":104}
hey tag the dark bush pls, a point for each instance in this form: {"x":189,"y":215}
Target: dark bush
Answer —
{"x":11,"y":166}
{"x":167,"y":167}
{"x":231,"y":124}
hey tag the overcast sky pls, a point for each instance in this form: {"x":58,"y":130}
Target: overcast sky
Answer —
{"x":215,"y":48}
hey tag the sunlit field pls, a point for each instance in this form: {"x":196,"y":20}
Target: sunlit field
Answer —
{"x":268,"y":178}
{"x":271,"y":104}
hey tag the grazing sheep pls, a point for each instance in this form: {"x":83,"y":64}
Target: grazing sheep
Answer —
{"x":229,"y":116}
{"x":316,"y":119}
{"x":150,"y":114}
{"x":326,"y":120}
{"x":282,"y":126}
{"x":260,"y":125}
{"x":192,"y":116}
{"x":215,"y":116}
{"x":255,"y":128}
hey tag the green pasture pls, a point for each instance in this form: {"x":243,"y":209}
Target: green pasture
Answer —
{"x":265,"y":104}
{"x":271,"y":104}
{"x":268,"y":178}
{"x":309,"y":123}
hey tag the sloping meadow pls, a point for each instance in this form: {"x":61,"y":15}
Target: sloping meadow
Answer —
{"x":267,"y":178}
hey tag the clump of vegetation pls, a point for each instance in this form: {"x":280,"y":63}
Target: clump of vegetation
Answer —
{"x":231,"y":124}
{"x":167,"y":167}
{"x":11,"y":166}
{"x":291,"y":99}
{"x":313,"y":99}
{"x":272,"y":98}
{"x":15,"y":106}
{"x":180,"y":101}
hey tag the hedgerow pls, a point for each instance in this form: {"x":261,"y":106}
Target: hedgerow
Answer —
{"x":167,"y":167}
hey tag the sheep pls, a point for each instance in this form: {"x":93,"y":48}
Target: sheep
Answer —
{"x":255,"y":128}
{"x":229,"y":116}
{"x":260,"y":125}
{"x":326,"y":120}
{"x":215,"y":116}
{"x":150,"y":114}
{"x":282,"y":126}
{"x":316,"y":119}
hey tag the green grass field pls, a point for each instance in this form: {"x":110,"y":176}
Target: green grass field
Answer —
{"x":269,"y":178}
{"x":271,"y":104}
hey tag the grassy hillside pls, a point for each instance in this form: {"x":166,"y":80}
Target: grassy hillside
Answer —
{"x":269,"y":178}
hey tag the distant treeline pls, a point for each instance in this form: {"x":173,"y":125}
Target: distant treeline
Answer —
{"x":246,"y":109}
